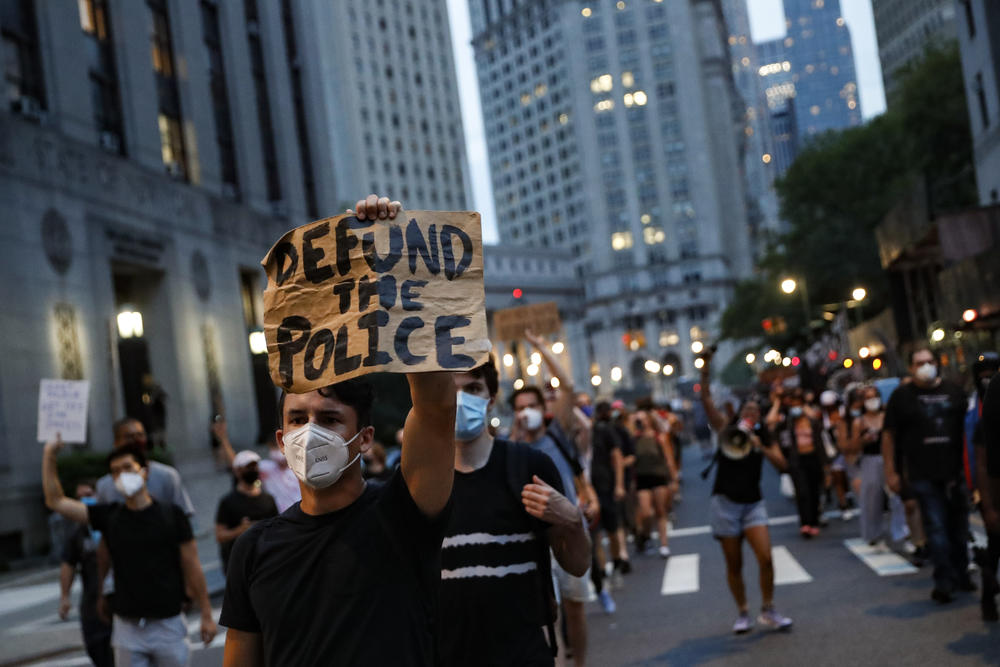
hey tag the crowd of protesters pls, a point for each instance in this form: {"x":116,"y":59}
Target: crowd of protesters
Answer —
{"x":482,"y":546}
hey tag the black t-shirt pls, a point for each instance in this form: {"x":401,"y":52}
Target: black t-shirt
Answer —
{"x":353,"y":587}
{"x":491,"y":587}
{"x":80,"y":551}
{"x":628,"y":449}
{"x":236,"y":505}
{"x":990,"y":427}
{"x":602,"y":473}
{"x":739,"y":479}
{"x":145,"y":551}
{"x":928,"y":430}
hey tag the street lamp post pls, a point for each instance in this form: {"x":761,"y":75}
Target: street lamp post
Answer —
{"x":790,"y":285}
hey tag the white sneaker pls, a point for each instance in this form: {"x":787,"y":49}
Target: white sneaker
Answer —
{"x":774,"y":620}
{"x":664,"y":552}
{"x":742,"y":624}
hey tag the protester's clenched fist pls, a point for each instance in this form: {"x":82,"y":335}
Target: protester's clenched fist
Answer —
{"x":208,"y":629}
{"x":543,"y":502}
{"x":53,"y":446}
{"x":374,"y":207}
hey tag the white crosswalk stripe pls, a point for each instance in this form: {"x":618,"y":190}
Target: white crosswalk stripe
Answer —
{"x":882,"y":560}
{"x":681,"y":575}
{"x":786,"y":569}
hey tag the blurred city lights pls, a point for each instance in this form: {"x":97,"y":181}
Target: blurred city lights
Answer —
{"x":616,"y":374}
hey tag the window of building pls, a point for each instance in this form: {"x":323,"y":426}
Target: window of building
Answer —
{"x":169,"y":117}
{"x":259,"y":74}
{"x":220,"y":98}
{"x":298,"y":102}
{"x":21,"y":61}
{"x":96,"y":25}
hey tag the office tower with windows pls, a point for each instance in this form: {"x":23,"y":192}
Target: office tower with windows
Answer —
{"x":905,"y":29}
{"x":818,"y":46}
{"x":978,"y":27}
{"x":614,"y":129}
{"x":775,"y":72}
{"x":390,"y":98}
{"x":757,"y":149}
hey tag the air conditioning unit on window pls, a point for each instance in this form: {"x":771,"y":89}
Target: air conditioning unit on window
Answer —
{"x":30,"y":108}
{"x":110,"y":142}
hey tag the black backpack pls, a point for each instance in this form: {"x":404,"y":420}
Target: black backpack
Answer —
{"x":519,"y":459}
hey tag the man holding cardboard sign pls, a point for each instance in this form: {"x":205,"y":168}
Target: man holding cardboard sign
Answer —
{"x":349,"y":575}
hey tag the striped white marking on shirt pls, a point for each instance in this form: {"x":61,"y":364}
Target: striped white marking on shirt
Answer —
{"x":467,"y":539}
{"x":484,"y":571}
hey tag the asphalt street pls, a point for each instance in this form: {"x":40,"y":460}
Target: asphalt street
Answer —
{"x":680,"y":612}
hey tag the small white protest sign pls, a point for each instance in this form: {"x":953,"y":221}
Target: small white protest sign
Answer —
{"x":62,"y":409}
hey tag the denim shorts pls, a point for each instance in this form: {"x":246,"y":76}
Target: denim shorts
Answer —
{"x":730,"y":519}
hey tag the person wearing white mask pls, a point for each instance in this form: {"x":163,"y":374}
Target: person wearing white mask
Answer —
{"x":349,"y":575}
{"x":866,"y":438}
{"x":922,"y":446}
{"x":556,"y":439}
{"x":508,"y":510}
{"x":155,"y":557}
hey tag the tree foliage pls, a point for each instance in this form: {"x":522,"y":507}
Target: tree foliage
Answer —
{"x":843,"y":183}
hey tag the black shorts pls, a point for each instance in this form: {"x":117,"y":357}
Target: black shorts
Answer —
{"x":647,"y":482}
{"x":609,"y":512}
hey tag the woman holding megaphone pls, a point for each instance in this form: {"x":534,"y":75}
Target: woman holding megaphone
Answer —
{"x":737,"y":505}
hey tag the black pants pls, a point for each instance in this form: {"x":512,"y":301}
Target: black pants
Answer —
{"x":807,"y":475}
{"x":97,"y":639}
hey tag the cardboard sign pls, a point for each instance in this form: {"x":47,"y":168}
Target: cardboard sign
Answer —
{"x":62,"y":410}
{"x":541,"y":318}
{"x":347,"y":297}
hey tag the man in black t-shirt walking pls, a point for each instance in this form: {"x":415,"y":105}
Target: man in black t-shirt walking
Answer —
{"x":242,"y":507}
{"x":154,"y":555}
{"x":348,"y":575}
{"x":496,"y":583}
{"x":922,"y":450}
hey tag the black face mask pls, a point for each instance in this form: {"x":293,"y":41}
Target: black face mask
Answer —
{"x":250,"y":476}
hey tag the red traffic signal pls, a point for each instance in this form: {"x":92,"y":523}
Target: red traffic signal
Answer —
{"x":517,"y":293}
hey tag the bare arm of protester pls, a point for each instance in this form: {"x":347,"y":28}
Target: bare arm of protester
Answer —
{"x":568,"y":535}
{"x":103,"y":567}
{"x":224,"y":533}
{"x":716,"y":419}
{"x":774,"y":414}
{"x":55,"y":498}
{"x":243,"y":649}
{"x":564,"y":397}
{"x":194,"y":582}
{"x":221,"y":433}
{"x":428,"y":458}
{"x":889,"y":461}
{"x":584,"y":432}
{"x":667,"y":446}
{"x":771,"y":452}
{"x":618,"y":464}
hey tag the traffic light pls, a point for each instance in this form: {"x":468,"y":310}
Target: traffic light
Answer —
{"x":517,"y":293}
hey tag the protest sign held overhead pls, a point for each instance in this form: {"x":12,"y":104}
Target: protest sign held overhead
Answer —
{"x":346,"y":297}
{"x":542,"y":318}
{"x":62,"y":410}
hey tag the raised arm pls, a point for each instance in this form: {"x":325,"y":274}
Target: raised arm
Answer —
{"x":55,"y":498}
{"x":194,"y":582}
{"x":716,"y":420}
{"x":564,"y":399}
{"x":428,"y":456}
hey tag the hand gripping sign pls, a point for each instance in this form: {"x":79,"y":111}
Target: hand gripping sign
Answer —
{"x":346,"y":297}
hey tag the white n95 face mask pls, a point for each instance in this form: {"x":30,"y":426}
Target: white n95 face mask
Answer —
{"x":129,"y":483}
{"x":531,"y":418}
{"x":317,"y":455}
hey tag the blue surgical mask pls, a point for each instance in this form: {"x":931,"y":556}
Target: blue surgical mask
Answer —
{"x":470,"y":416}
{"x":90,"y":501}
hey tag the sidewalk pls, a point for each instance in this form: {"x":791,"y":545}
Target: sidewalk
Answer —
{"x":29,"y":599}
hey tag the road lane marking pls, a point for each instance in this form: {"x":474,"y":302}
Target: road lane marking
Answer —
{"x":882,"y":560}
{"x":786,"y":569}
{"x":681,"y":575}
